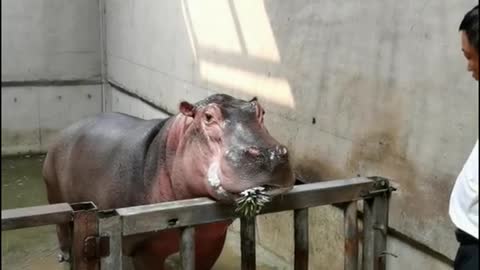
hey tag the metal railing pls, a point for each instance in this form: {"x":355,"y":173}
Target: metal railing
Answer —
{"x":97,"y":235}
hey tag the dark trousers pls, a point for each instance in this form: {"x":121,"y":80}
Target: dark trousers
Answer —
{"x":467,"y":254}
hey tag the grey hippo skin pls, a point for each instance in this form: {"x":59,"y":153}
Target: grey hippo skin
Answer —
{"x":217,"y":148}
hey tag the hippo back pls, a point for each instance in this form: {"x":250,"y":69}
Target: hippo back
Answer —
{"x":102,"y":159}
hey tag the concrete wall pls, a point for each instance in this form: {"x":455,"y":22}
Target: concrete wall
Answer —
{"x":50,"y":69}
{"x":32,"y":116}
{"x":377,"y":88}
{"x":118,"y":101}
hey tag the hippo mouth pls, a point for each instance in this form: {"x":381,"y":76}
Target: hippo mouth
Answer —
{"x":215,"y":184}
{"x":275,"y":190}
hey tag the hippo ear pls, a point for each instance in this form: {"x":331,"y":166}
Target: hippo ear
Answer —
{"x":187,"y":109}
{"x":254,"y":99}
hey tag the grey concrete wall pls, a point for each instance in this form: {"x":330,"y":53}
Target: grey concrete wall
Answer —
{"x":50,"y":40}
{"x":46,"y":42}
{"x":371,"y":88}
{"x":32,"y":116}
{"x":121,"y":102}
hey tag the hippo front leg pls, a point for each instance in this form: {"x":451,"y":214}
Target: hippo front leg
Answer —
{"x":64,"y":232}
{"x":149,"y":251}
{"x":147,"y":261}
{"x":205,"y":258}
{"x":209,"y":242}
{"x":65,"y":241}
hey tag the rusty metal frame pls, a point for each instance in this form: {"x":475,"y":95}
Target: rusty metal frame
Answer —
{"x":81,"y":217}
{"x":83,"y":250}
{"x":97,"y":235}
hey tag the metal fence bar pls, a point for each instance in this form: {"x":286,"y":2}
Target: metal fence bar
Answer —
{"x":97,"y":236}
{"x":351,"y":236}
{"x":301,"y":238}
{"x":187,"y":248}
{"x":247,"y":234}
{"x":36,"y":216}
{"x":109,"y":225}
{"x":177,"y":214}
{"x":368,"y":256}
{"x":380,"y":206}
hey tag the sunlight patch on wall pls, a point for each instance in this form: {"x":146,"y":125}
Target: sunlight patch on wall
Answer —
{"x":256,"y":30}
{"x":213,"y":25}
{"x":186,"y":20}
{"x":225,"y":28}
{"x":276,"y":90}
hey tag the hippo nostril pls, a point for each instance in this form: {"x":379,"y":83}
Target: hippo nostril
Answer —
{"x":278,"y":154}
{"x":280,"y":151}
{"x":253,"y":151}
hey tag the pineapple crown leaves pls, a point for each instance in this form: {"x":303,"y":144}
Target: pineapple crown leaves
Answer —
{"x":252,"y":201}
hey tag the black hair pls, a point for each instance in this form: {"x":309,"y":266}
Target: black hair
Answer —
{"x":469,"y":24}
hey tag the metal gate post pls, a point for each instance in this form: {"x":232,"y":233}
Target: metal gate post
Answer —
{"x":187,"y":248}
{"x":380,"y":206}
{"x":247,"y":232}
{"x":301,"y":238}
{"x":368,"y":235}
{"x":351,"y":236}
{"x":84,"y":226}
{"x":375,"y":226}
{"x":110,"y":227}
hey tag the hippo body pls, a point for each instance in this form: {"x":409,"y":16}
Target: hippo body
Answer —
{"x":105,"y":158}
{"x":116,"y":160}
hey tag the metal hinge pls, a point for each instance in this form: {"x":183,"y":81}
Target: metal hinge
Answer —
{"x":96,"y":247}
{"x":381,"y":184}
{"x":385,"y":253}
{"x":381,"y":228}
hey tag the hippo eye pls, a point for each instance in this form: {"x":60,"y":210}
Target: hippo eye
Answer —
{"x":208,"y":117}
{"x":263,"y":112}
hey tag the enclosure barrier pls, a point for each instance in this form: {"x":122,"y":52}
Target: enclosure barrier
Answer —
{"x":97,"y":235}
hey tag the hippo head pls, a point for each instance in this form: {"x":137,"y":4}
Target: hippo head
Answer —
{"x":238,"y":150}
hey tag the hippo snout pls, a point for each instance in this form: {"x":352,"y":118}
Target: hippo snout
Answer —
{"x":252,"y":166}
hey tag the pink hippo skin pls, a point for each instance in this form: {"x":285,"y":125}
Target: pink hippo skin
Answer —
{"x":215,"y":148}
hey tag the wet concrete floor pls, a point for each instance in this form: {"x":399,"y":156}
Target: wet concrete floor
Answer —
{"x":37,"y":248}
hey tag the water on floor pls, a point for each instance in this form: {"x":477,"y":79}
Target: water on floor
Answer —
{"x":22,"y":186}
{"x":37,"y":248}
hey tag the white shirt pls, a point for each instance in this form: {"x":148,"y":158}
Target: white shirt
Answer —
{"x":464,"y":198}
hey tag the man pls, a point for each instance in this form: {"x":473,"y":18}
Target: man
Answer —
{"x":464,"y":198}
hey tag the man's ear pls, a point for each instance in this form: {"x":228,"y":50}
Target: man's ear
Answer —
{"x":187,"y":108}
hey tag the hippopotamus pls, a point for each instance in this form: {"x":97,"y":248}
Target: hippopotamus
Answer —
{"x":216,"y":148}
